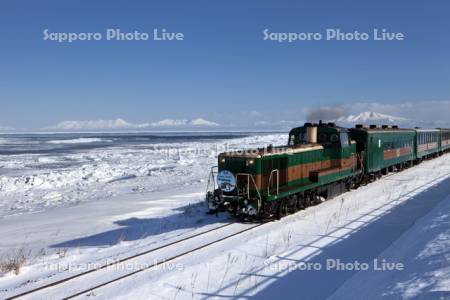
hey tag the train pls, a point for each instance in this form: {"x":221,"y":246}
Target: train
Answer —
{"x":319,"y":161}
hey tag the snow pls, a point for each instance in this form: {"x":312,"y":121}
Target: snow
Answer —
{"x":358,"y":226}
{"x":37,"y":181}
{"x":401,"y":219}
{"x":203,"y":122}
{"x":77,"y":141}
{"x":424,"y":250}
{"x":170,"y":122}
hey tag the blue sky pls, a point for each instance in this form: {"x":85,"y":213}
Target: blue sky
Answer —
{"x":223,"y":71}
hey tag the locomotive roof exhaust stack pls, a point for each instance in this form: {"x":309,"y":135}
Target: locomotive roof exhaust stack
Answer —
{"x":311,"y":134}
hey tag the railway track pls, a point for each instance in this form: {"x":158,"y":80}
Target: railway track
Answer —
{"x":118,"y":270}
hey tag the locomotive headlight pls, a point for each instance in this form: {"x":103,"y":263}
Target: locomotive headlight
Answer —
{"x":222,"y":160}
{"x":250,"y":162}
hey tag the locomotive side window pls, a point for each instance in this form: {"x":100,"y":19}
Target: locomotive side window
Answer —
{"x":302,"y":138}
{"x":334,"y":138}
{"x":330,"y":139}
{"x":322,"y":138}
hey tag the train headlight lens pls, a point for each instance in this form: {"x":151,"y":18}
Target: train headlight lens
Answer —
{"x":222,"y":160}
{"x":250,"y":162}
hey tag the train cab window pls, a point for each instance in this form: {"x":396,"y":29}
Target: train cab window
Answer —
{"x":291,"y":140}
{"x":344,"y":139}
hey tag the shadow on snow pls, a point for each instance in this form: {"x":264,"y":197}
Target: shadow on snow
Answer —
{"x":191,"y":216}
{"x":361,"y":244}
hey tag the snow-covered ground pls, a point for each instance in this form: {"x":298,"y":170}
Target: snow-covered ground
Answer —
{"x":38,"y":172}
{"x":401,"y":222}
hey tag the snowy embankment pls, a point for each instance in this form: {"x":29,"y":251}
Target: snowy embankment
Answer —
{"x":36,"y":180}
{"x":401,"y":220}
{"x":315,"y":254}
{"x":424,"y":251}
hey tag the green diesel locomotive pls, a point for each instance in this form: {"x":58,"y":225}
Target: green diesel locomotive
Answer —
{"x":319,"y":161}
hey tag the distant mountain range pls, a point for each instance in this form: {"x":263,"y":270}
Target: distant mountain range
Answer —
{"x":371,"y":117}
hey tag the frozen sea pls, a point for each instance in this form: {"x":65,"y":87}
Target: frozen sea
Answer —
{"x":40,"y":171}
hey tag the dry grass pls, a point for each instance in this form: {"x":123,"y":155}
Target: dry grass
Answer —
{"x":13,"y":262}
{"x":61,"y":252}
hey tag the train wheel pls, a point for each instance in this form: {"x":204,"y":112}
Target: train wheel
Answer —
{"x":292,"y":204}
{"x":282,"y":209}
